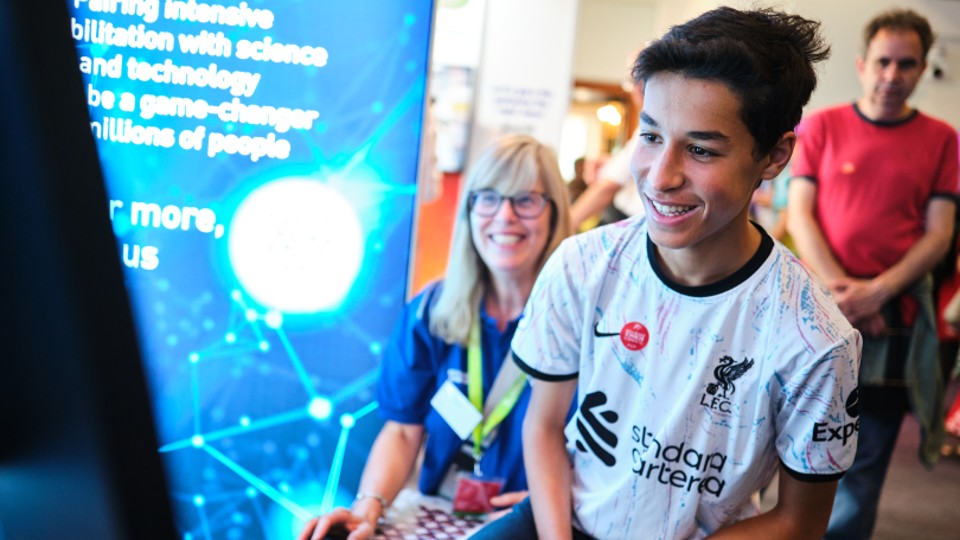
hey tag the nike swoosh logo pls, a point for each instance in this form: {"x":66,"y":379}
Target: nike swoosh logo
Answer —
{"x":598,"y":333}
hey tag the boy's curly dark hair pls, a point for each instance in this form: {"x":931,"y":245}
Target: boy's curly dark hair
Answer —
{"x":764,"y":56}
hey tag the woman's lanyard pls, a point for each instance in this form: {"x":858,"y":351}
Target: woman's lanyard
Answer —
{"x":497,"y":407}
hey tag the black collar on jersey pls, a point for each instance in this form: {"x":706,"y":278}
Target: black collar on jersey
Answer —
{"x":725,"y":284}
{"x":886,"y":123}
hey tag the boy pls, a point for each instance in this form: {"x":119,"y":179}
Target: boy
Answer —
{"x":704,"y":353}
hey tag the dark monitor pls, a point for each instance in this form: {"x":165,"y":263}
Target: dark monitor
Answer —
{"x":78,"y":451}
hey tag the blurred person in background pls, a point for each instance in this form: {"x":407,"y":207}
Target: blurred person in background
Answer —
{"x":614,"y":192}
{"x":871,"y":211}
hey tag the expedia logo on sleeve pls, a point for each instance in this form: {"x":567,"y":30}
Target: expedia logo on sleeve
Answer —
{"x":824,"y":432}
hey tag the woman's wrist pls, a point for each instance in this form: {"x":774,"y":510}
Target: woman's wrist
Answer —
{"x":370,"y":506}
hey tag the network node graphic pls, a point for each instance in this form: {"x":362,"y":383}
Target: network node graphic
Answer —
{"x":287,"y":458}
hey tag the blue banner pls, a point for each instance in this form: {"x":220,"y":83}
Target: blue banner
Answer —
{"x":261,"y":166}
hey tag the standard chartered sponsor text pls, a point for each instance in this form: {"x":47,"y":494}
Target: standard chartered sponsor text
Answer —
{"x":676,"y":465}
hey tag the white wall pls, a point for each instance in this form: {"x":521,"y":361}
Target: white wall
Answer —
{"x":608,"y":32}
{"x":602,"y":45}
{"x":522,"y":81}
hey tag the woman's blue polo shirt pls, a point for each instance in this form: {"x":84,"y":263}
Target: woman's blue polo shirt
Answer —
{"x":415,"y":365}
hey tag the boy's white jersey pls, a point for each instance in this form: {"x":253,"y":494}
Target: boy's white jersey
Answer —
{"x":689,"y":396}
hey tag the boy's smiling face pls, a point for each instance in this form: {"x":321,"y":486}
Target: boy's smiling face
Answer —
{"x":696,"y":172}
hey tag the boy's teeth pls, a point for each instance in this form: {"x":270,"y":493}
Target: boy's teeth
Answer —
{"x":671,"y":210}
{"x":506,"y":239}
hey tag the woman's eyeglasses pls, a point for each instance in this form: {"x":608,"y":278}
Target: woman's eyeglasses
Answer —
{"x":526,"y":204}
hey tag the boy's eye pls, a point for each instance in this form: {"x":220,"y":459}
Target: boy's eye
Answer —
{"x":649,"y":138}
{"x":700,"y":151}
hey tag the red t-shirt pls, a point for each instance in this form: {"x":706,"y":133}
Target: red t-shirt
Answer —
{"x":874,"y":181}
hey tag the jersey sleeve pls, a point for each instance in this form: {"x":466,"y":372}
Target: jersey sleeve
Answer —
{"x":817,"y":416}
{"x":547,"y":342}
{"x":408,"y":371}
{"x":809,"y":151}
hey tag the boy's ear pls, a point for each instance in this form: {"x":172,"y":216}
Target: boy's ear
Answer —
{"x":779,"y":157}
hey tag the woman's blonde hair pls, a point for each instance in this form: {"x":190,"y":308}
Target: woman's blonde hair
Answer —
{"x":511,"y":165}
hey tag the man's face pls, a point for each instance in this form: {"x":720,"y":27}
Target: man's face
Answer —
{"x":694,"y":164}
{"x":891,"y":69}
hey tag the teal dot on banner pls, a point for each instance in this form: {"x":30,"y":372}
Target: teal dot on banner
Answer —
{"x":410,"y":19}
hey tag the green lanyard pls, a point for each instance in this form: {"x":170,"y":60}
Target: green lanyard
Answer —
{"x":475,"y":393}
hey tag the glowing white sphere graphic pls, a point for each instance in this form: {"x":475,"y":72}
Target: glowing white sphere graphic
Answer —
{"x":296,"y":245}
{"x":320,"y":408}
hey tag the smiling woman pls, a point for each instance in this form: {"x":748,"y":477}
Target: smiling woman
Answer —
{"x":501,"y":250}
{"x":453,"y":341}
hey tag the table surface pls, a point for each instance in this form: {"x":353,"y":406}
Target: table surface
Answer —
{"x":415,"y":516}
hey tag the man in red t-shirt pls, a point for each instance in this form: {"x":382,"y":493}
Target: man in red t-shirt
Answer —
{"x":871,"y":211}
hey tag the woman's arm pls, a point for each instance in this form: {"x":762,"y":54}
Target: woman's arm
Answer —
{"x":549,"y":472}
{"x":802,"y":511}
{"x":391,"y":460}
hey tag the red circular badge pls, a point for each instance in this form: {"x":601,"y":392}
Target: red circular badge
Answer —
{"x":634,"y":336}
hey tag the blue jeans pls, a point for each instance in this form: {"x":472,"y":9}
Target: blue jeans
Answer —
{"x":858,"y":494}
{"x":518,"y":524}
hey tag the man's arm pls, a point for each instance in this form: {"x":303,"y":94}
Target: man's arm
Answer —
{"x":549,"y":473}
{"x":802,"y":511}
{"x":597,"y":196}
{"x":806,"y":233}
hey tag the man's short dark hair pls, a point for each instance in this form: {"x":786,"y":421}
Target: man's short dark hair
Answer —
{"x":764,"y":56}
{"x":903,"y":20}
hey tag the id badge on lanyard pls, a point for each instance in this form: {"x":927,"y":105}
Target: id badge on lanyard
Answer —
{"x":473,"y":491}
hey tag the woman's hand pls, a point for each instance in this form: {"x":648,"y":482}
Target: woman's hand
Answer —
{"x":505,"y":499}
{"x":388,"y":466}
{"x":340,"y":523}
